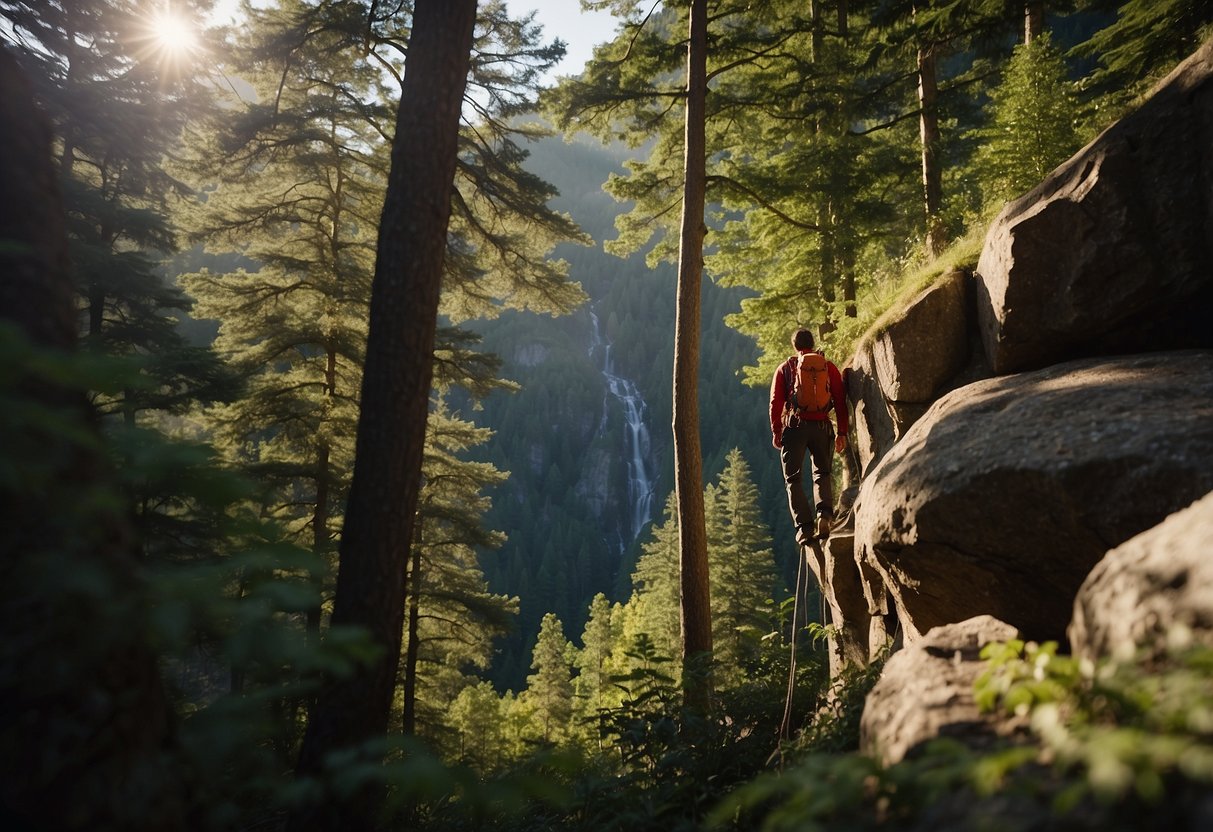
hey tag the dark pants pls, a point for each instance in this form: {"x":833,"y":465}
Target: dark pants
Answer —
{"x":816,"y":437}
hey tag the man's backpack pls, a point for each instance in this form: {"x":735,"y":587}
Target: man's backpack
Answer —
{"x":809,"y":391}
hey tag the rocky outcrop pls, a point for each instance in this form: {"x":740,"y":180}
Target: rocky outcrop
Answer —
{"x":1016,"y":424}
{"x":1153,"y":592}
{"x":926,"y":691}
{"x":1008,"y":491}
{"x":914,"y":357}
{"x":837,"y":574}
{"x":1113,"y":253}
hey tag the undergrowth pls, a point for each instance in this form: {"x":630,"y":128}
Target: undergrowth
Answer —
{"x":1111,"y":747}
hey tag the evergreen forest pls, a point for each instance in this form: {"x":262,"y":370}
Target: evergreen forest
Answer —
{"x":385,"y":408}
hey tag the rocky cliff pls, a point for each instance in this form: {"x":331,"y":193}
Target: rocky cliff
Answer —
{"x":1036,"y":437}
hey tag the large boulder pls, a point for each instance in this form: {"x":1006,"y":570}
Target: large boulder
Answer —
{"x":1008,"y":491}
{"x":1151,"y":592}
{"x":926,"y":691}
{"x":925,"y":346}
{"x":1113,"y":252}
{"x":914,"y":356}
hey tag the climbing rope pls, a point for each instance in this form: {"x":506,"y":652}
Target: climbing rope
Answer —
{"x":785,"y":727}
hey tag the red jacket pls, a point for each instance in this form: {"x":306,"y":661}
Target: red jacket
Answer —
{"x":779,"y":395}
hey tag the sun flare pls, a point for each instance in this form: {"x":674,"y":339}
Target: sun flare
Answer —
{"x":169,"y":40}
{"x":173,"y":34}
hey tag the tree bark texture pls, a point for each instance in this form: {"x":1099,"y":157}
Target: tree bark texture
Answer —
{"x":688,"y":464}
{"x":396,"y":386}
{"x":85,"y":726}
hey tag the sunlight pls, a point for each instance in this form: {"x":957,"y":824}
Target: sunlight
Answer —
{"x":168,"y":38}
{"x":173,"y":34}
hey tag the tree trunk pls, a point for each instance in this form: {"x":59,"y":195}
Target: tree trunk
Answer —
{"x":321,"y":511}
{"x":413,"y":648}
{"x":849,"y":292}
{"x":320,"y":536}
{"x":815,"y":42}
{"x":932,"y":175}
{"x":396,"y":385}
{"x":688,"y":465}
{"x":1033,"y":21}
{"x":85,"y":726}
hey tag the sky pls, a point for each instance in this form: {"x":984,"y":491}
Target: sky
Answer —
{"x":563,"y":19}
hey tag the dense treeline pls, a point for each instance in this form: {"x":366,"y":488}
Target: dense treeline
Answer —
{"x":175,"y":549}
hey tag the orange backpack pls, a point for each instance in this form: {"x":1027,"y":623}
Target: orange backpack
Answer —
{"x":810,"y":388}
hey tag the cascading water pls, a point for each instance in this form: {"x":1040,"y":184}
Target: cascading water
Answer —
{"x":636,"y":435}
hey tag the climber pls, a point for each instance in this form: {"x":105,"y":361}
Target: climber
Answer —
{"x":803,"y":391}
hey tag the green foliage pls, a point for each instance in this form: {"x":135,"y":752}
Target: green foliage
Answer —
{"x":1032,"y":126}
{"x":223,"y":614}
{"x":741,"y":570}
{"x":117,"y":109}
{"x":894,"y":285}
{"x":1114,"y":746}
{"x":550,"y":689}
{"x":1146,"y":39}
{"x":1123,"y":729}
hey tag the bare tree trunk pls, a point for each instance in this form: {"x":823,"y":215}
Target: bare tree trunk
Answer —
{"x":320,"y":533}
{"x":688,"y":464}
{"x":413,"y":648}
{"x":932,"y":174}
{"x":815,"y":42}
{"x":1033,"y":21}
{"x":396,"y":385}
{"x":86,"y":730}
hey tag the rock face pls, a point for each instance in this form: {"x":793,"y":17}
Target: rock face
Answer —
{"x":1156,"y":587}
{"x":1008,"y":491}
{"x":1113,"y":253}
{"x":1015,"y":425}
{"x":915,"y":357}
{"x":833,"y":565}
{"x":926,"y":691}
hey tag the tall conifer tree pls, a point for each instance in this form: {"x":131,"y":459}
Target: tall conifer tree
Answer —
{"x":1032,"y":126}
{"x":743,"y":568}
{"x":395,"y":397}
{"x":550,"y":689}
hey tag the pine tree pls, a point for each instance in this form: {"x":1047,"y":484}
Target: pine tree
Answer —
{"x":395,"y":394}
{"x":1145,"y":41}
{"x":299,"y":176}
{"x":1032,"y":123}
{"x":477,"y":719}
{"x":87,"y":731}
{"x":596,"y":643}
{"x":550,"y":689}
{"x":654,"y":607}
{"x":743,"y":569}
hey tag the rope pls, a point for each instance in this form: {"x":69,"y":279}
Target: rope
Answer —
{"x":786,"y":725}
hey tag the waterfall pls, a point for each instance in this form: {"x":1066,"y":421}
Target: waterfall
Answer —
{"x":636,"y":435}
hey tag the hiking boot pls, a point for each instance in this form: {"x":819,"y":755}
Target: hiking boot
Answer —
{"x":823,"y":526}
